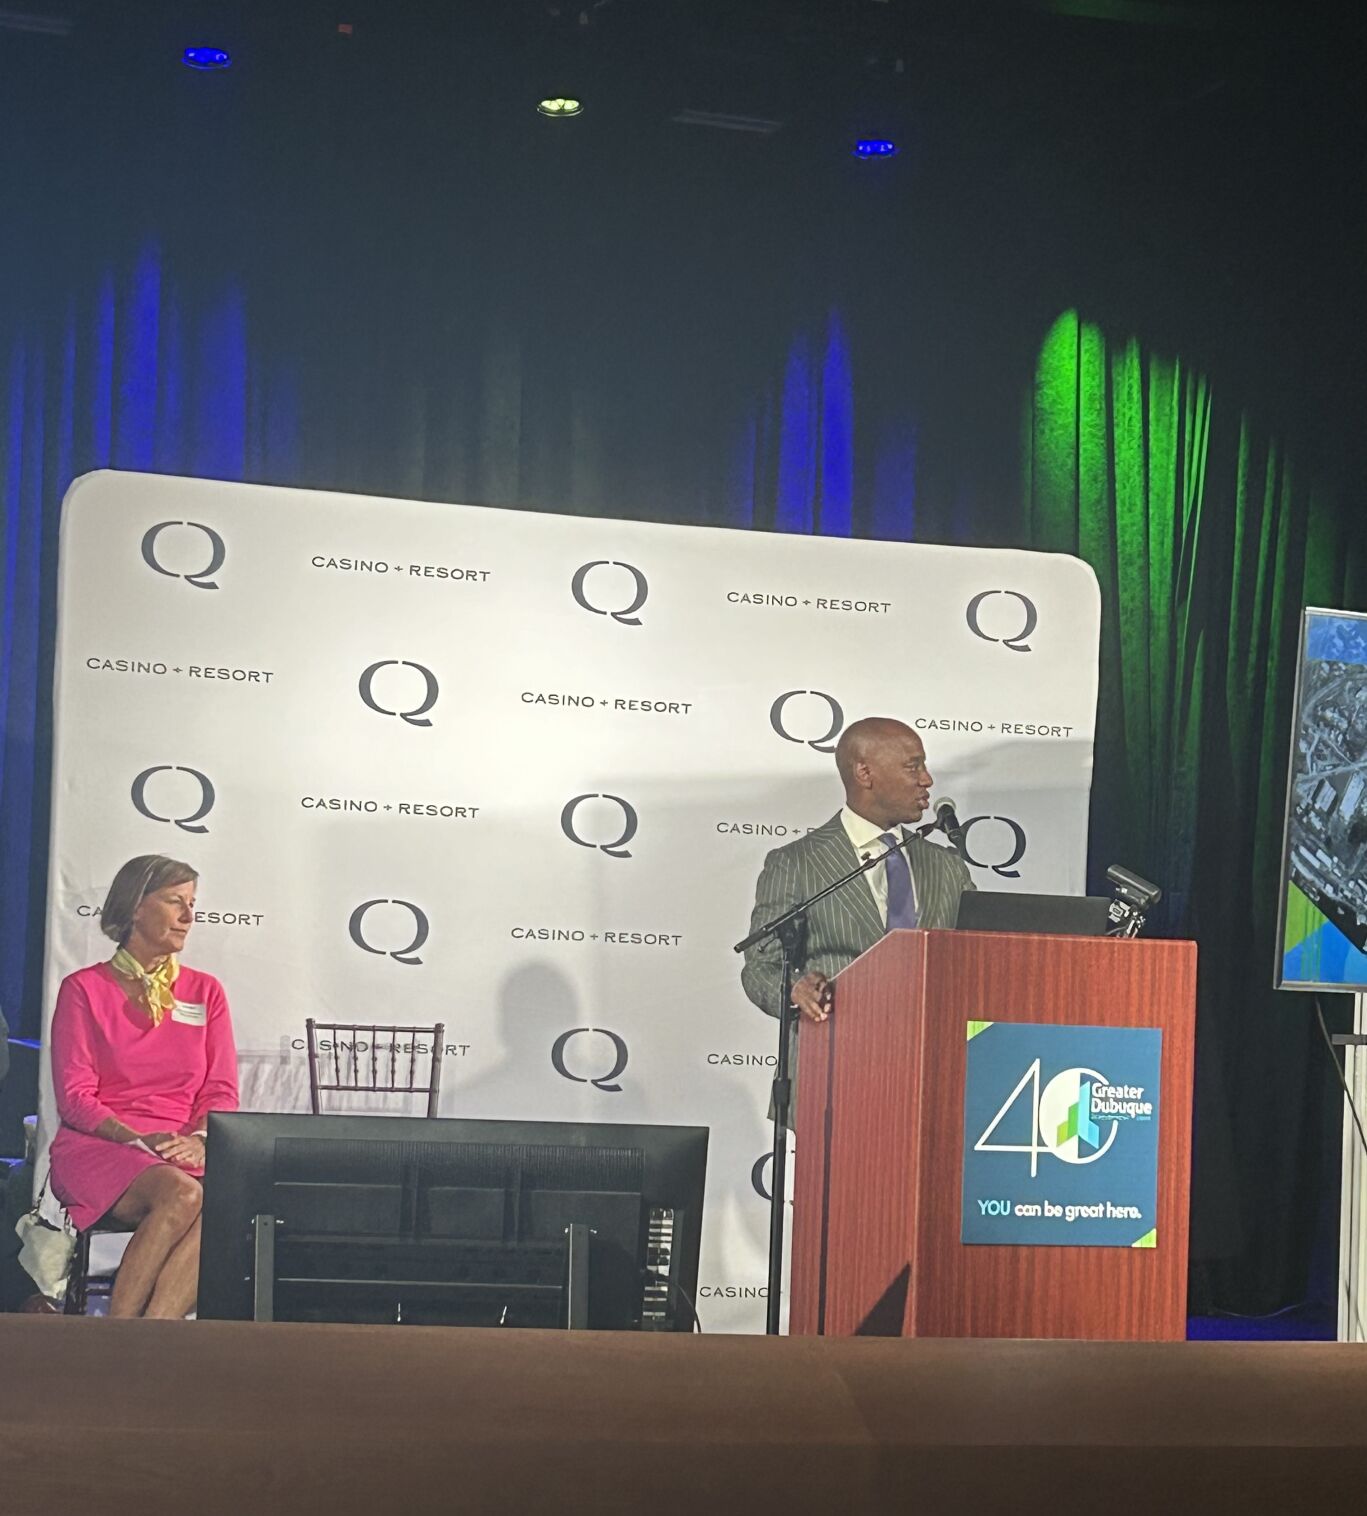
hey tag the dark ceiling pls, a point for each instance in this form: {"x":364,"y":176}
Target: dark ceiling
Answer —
{"x":1208,"y":154}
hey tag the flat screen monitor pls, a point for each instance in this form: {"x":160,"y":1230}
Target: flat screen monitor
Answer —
{"x":451,"y":1222}
{"x":1322,"y":894}
{"x":1057,"y":915}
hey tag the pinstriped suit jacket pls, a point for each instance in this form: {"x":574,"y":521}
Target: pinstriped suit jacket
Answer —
{"x":847,"y":923}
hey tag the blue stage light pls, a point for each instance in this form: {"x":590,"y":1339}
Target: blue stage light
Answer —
{"x":205,"y":58}
{"x":874,"y":147}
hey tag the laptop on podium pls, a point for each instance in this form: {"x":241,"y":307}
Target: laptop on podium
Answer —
{"x":1059,"y":915}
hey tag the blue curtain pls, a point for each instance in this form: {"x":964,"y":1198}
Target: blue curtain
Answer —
{"x":129,"y":374}
{"x":150,"y":370}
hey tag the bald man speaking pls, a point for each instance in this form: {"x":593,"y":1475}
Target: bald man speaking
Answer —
{"x":882,"y":765}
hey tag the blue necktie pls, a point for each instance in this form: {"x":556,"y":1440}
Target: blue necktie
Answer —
{"x":901,"y":900}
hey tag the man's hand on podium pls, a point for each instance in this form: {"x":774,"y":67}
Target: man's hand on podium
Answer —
{"x":812,"y":995}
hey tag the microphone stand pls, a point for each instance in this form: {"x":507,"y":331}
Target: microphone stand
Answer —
{"x":791,"y":931}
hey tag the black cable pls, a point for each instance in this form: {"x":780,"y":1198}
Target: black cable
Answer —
{"x":678,"y":1289}
{"x":1285,"y":1310}
{"x":689,"y":1302}
{"x":1334,"y":1059}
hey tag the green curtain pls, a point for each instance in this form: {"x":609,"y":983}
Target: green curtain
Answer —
{"x":1207,"y":543}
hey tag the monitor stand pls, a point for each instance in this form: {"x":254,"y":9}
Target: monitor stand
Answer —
{"x":575,"y":1296}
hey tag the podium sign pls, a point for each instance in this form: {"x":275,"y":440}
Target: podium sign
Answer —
{"x":1061,"y":1135}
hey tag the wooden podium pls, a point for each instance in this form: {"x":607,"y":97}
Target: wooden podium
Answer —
{"x":880,"y":1143}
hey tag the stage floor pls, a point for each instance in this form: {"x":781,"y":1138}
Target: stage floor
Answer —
{"x":102,"y":1418}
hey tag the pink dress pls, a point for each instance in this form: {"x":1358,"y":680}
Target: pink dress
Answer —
{"x":109,"y":1060}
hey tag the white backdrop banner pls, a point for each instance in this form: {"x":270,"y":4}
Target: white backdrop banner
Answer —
{"x":519,"y":772}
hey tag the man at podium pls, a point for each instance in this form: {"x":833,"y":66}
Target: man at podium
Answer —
{"x":882,"y":765}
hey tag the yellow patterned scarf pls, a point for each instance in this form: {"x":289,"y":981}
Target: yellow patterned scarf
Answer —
{"x":156,"y":993}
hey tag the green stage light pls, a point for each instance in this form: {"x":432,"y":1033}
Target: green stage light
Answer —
{"x":561,"y":106}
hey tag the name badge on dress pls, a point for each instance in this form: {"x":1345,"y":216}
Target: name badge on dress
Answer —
{"x":190,"y":1015}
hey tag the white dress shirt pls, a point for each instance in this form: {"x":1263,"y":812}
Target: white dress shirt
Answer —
{"x":867,"y":841}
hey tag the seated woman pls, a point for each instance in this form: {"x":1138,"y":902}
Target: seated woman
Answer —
{"x":142,"y":1051}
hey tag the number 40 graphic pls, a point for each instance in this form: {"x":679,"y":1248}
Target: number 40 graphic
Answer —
{"x":1051,"y":1130}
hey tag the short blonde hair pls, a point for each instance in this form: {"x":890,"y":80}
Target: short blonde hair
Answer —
{"x":138,"y":878}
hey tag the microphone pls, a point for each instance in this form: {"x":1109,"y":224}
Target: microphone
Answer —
{"x":947,"y":820}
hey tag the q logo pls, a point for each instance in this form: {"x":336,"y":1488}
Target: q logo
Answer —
{"x":1017,"y":641}
{"x":1006,"y":867}
{"x":415,"y":715}
{"x":606,"y":1082}
{"x":627,"y":615}
{"x":628,"y":825}
{"x":202,"y":579}
{"x":407,"y":955}
{"x":833,"y":720}
{"x":198,"y":811}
